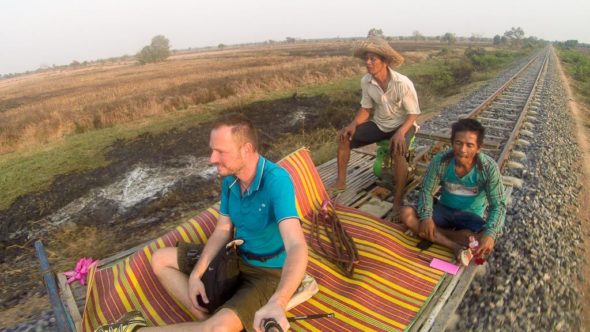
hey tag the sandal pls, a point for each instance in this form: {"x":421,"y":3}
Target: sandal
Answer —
{"x":129,"y":322}
{"x":394,"y":217}
{"x":335,"y":192}
{"x":424,"y":245}
{"x":465,"y":256}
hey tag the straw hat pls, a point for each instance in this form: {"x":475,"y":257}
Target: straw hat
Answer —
{"x":378,"y":46}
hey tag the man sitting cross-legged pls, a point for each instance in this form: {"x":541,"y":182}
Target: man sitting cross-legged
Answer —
{"x":258,"y":201}
{"x":470,"y":181}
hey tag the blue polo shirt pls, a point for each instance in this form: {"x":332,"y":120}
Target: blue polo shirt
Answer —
{"x":257,"y":213}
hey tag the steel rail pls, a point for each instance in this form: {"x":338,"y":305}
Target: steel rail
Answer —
{"x":505,"y":154}
{"x":486,"y":103}
{"x":482,"y":107}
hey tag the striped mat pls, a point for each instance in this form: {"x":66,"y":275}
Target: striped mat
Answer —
{"x":389,"y":287}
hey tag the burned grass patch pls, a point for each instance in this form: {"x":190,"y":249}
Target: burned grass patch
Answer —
{"x":102,"y":227}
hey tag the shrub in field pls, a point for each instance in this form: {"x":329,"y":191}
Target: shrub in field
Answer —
{"x":483,"y":60}
{"x":447,"y":77}
{"x":479,"y":58}
{"x":450,"y":69}
{"x":442,"y":79}
{"x":449,"y":37}
{"x":580,"y":64}
{"x":582,"y":71}
{"x":158,"y":50}
{"x":462,"y":71}
{"x":375,"y":33}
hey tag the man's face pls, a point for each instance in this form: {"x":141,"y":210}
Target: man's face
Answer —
{"x":374,"y":63}
{"x":465,"y":147}
{"x":226,"y":153}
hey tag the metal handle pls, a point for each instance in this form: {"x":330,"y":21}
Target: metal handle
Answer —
{"x":271,"y":325}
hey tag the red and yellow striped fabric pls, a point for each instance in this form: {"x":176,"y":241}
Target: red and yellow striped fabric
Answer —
{"x":389,"y":287}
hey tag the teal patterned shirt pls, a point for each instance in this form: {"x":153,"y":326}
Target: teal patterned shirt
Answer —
{"x":489,"y":181}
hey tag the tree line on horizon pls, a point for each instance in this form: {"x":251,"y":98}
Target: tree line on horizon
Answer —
{"x":159,"y":48}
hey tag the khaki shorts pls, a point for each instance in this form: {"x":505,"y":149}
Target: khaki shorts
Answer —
{"x":257,"y":285}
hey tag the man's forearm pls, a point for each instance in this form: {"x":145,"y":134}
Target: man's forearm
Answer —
{"x":426,"y":193}
{"x":497,"y":200}
{"x":425,"y":203}
{"x":292,"y":274}
{"x":408,"y":123}
{"x":218,"y":239}
{"x":495,"y":221}
{"x":361,"y":116}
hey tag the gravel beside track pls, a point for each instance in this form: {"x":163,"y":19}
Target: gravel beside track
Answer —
{"x":46,"y":322}
{"x":530,"y":279}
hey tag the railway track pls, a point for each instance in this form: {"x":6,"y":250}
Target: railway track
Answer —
{"x":507,"y":114}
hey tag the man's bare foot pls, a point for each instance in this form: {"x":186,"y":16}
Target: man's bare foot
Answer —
{"x":339,"y":184}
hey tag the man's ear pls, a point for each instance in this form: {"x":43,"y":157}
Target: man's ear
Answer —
{"x":248,"y":148}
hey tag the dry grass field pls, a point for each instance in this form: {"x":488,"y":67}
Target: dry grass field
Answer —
{"x":43,"y":108}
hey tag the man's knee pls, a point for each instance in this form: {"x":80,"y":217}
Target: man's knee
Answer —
{"x":224,"y":320}
{"x":164,"y":258}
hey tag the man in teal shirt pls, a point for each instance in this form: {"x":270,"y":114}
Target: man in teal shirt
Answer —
{"x":470,"y":181}
{"x":258,"y":203}
{"x":256,"y":212}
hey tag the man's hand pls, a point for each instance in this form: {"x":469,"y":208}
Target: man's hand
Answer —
{"x":347,"y":132}
{"x":271,"y":310}
{"x":195,"y":288}
{"x":426,"y":230}
{"x":398,"y":143}
{"x":486,"y":245}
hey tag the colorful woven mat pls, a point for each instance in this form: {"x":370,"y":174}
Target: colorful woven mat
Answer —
{"x":389,"y":287}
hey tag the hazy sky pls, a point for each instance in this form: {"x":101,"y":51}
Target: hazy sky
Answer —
{"x":35,"y":33}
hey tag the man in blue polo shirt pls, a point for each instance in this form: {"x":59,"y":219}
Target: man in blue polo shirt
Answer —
{"x":258,"y":200}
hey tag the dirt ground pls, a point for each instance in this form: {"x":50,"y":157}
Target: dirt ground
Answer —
{"x":581,"y":115}
{"x":22,"y":291}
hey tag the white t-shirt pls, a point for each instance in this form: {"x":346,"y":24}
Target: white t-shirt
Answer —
{"x":392,"y":106}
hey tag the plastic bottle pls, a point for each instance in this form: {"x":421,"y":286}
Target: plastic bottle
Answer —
{"x":474,"y":246}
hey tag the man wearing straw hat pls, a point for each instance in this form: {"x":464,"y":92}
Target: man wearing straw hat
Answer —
{"x":391,"y":99}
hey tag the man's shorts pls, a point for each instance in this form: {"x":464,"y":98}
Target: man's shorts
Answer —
{"x":257,"y":285}
{"x":446,"y":217}
{"x":368,"y":133}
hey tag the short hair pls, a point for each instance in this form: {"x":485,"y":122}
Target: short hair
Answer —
{"x":471,"y":125}
{"x":242,"y":128}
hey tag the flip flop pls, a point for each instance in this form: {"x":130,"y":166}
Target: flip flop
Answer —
{"x":424,"y":244}
{"x":335,"y":192}
{"x":394,"y":217}
{"x":465,"y":256}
